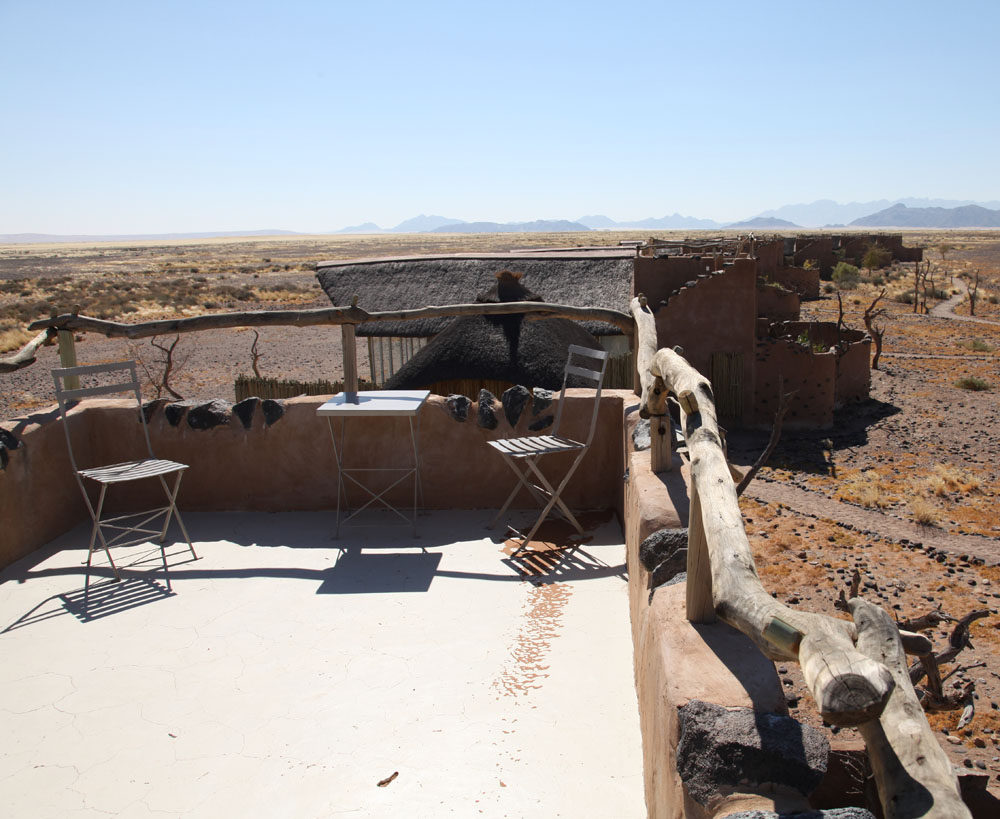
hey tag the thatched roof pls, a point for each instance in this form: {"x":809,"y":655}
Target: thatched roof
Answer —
{"x":496,"y":348}
{"x":577,"y":279}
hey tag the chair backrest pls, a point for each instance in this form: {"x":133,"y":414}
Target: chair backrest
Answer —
{"x":113,"y":379}
{"x":591,"y":358}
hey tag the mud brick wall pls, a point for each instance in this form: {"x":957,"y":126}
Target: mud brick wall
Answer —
{"x":777,"y":304}
{"x":813,"y":375}
{"x":707,"y":319}
{"x":802,"y":281}
{"x":658,"y":278}
{"x":770,"y":256}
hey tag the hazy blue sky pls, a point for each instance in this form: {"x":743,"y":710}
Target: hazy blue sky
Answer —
{"x":128,"y":117}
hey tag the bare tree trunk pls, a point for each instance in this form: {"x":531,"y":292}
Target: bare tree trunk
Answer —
{"x":875,"y":331}
{"x":779,"y":416}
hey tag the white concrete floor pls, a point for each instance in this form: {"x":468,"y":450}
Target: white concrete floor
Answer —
{"x":286,"y":674}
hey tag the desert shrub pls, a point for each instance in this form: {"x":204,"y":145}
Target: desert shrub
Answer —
{"x":876,"y":258}
{"x":949,"y":478}
{"x":809,"y":344}
{"x":828,"y":288}
{"x":994,"y":300}
{"x":866,"y":489}
{"x":923,"y":512}
{"x":846,"y":276}
{"x":973,"y":383}
{"x":977,"y":345}
{"x":906,"y":297}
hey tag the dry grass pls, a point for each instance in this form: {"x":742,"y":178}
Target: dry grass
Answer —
{"x":947,"y":478}
{"x":14,"y":339}
{"x":867,"y":489}
{"x":924,"y":512}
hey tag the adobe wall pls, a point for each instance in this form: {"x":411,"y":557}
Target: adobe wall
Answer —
{"x":716,"y":315}
{"x":802,"y":281}
{"x":777,"y":304}
{"x":813,"y":375}
{"x":288,"y":465}
{"x":770,"y":256}
{"x":657,"y":278}
{"x":816,"y":248}
{"x":854,"y":372}
{"x":855,"y":246}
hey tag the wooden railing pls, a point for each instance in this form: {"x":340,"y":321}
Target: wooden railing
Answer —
{"x":856,"y":671}
{"x":347,"y":317}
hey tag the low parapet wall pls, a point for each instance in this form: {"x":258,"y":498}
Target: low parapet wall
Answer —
{"x":283,"y":460}
{"x":688,"y":676}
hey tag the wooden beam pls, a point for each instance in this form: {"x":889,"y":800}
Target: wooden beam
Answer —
{"x":26,"y":355}
{"x":328,"y":315}
{"x":913,"y":774}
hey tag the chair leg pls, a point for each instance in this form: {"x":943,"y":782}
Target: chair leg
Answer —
{"x":175,"y":512}
{"x":556,"y":495}
{"x":522,"y":481}
{"x":96,"y":533}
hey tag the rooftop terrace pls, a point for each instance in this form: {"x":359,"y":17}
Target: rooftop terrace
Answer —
{"x":286,"y":673}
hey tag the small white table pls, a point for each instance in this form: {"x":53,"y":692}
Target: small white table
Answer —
{"x":376,"y":404}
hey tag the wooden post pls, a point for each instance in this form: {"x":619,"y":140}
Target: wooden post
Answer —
{"x":350,"y":363}
{"x":652,"y":390}
{"x":660,"y":435}
{"x":700,"y":605}
{"x":67,"y":357}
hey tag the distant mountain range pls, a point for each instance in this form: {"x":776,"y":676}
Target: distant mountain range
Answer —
{"x":827,"y":213}
{"x":673,"y":222}
{"x":967,"y":216}
{"x":442,"y":224}
{"x":883,"y":213}
{"x":764,"y":223}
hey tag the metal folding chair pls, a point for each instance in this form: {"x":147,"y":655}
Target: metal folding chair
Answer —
{"x":528,"y":450}
{"x":115,"y":531}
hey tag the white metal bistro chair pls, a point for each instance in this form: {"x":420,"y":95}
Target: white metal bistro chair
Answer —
{"x":116,"y":531}
{"x":528,"y":450}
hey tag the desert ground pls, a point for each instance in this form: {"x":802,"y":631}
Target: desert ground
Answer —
{"x":904,"y":488}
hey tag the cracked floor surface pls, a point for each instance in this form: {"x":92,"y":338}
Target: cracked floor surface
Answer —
{"x":288,"y":674}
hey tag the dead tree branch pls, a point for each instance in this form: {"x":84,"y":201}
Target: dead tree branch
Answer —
{"x":255,"y":354}
{"x":162,"y":368}
{"x":877,"y":332}
{"x":958,"y":640}
{"x":779,"y":415}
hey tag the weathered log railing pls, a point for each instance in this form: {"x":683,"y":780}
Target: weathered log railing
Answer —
{"x":854,"y":670}
{"x":347,"y":317}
